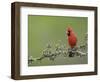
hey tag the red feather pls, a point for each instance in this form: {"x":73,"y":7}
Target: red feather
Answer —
{"x":72,"y":39}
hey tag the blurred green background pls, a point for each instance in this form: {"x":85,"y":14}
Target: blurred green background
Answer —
{"x":50,"y":29}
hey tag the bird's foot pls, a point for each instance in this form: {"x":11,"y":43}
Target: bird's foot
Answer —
{"x":72,"y":51}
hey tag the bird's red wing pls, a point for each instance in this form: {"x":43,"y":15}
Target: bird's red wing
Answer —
{"x":72,"y":40}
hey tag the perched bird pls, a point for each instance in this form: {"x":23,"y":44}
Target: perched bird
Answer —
{"x":72,"y":39}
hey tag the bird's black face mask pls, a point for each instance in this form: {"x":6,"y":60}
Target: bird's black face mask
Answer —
{"x":68,"y":33}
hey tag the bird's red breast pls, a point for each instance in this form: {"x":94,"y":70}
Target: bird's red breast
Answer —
{"x":72,"y":39}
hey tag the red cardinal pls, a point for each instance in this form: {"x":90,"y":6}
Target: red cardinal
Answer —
{"x":72,"y":39}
